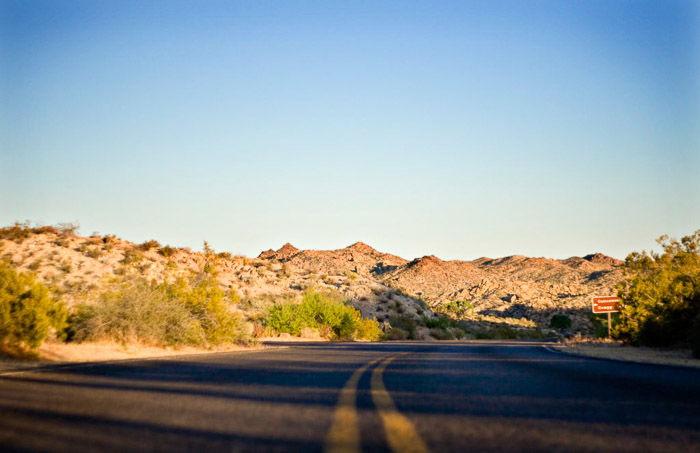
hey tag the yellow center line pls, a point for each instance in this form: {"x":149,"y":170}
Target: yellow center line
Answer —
{"x":344,"y":435}
{"x":400,"y":432}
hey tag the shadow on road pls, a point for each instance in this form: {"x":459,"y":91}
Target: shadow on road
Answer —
{"x":283,"y":399}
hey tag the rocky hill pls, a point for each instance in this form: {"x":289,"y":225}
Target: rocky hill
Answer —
{"x":515,"y":289}
{"x":512,"y":287}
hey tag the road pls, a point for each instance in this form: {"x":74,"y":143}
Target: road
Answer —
{"x":348,"y":397}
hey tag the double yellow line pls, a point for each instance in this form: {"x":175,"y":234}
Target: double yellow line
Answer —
{"x":344,"y":435}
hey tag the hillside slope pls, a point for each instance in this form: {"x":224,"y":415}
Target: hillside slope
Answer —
{"x":381,"y":285}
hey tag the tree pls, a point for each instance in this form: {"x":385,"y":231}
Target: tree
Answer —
{"x":661,"y":295}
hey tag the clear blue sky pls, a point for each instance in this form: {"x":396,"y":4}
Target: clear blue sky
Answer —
{"x":461,"y":129}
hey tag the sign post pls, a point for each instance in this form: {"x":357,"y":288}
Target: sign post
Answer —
{"x":606,"y":304}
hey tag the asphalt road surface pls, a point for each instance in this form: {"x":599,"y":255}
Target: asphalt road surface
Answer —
{"x":349,"y":397}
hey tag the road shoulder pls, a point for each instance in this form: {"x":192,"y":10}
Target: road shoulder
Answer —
{"x":625,"y":353}
{"x":61,"y":355}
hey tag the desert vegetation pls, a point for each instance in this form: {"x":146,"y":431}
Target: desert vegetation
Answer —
{"x":153,"y":294}
{"x":661,"y":296}
{"x":195,"y":312}
{"x":28,"y":312}
{"x":327,"y":313}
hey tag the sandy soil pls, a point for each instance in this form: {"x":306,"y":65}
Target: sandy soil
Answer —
{"x":52,"y":353}
{"x":614,"y":350}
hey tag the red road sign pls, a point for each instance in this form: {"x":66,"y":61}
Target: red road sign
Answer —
{"x":606,"y":304}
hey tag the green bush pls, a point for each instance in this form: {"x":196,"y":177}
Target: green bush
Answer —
{"x":507,"y":333}
{"x":285,"y":318}
{"x":560,"y":322}
{"x":28,"y":313}
{"x":134,"y":310}
{"x":441,"y":322}
{"x":458,"y":308}
{"x":661,"y":295}
{"x":322,"y":311}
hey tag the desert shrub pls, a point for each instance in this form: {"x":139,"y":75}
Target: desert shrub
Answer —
{"x":440,"y":322}
{"x":442,"y":334}
{"x":185,"y":312}
{"x":600,"y":323}
{"x":507,"y":333}
{"x":345,"y":328}
{"x":19,"y":231}
{"x":134,"y":311}
{"x":94,"y":252}
{"x":16,"y":232}
{"x":499,"y":333}
{"x":209,"y":303}
{"x":28,"y":313}
{"x":458,"y":308}
{"x":319,"y":311}
{"x":131,"y":256}
{"x":68,"y":228}
{"x":368,"y":329}
{"x":260,"y":329}
{"x":661,"y":295}
{"x":560,"y":321}
{"x":166,"y":251}
{"x":284,"y":271}
{"x":62,"y":241}
{"x":405,"y":323}
{"x":285,"y":318}
{"x":65,"y":267}
{"x":396,"y":333}
{"x":148,"y":245}
{"x":45,"y":229}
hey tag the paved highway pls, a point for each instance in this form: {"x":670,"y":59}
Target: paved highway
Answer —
{"x":349,"y":397}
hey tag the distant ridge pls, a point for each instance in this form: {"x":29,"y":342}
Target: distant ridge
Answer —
{"x":514,"y":286}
